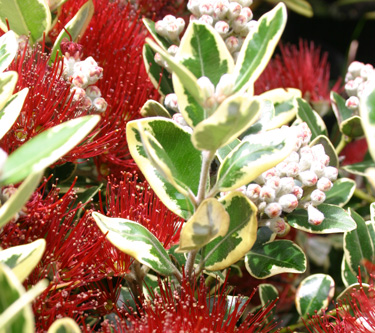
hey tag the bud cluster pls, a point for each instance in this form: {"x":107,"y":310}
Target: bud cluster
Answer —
{"x":170,"y":28}
{"x":83,"y":75}
{"x":300,"y":181}
{"x":356,"y":79}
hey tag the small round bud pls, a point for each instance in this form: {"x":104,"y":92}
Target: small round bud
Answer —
{"x":273,"y":210}
{"x":318,"y":168}
{"x":169,"y":19}
{"x":292,"y":169}
{"x":280,"y":169}
{"x":293,"y":157}
{"x":173,"y":32}
{"x":273,"y":182}
{"x":324,"y":184}
{"x":288,"y":202}
{"x":180,"y":23}
{"x":207,"y":19}
{"x":179,"y":119}
{"x":367,"y":71}
{"x":355,"y":68}
{"x":239,"y":23}
{"x":93,"y":92}
{"x":232,"y":44}
{"x":222,"y":27}
{"x":269,"y":173}
{"x":79,"y":93}
{"x":172,"y":50}
{"x":253,"y":191}
{"x":193,"y":7}
{"x":351,"y":87}
{"x":225,"y":87}
{"x":298,"y":192}
{"x":221,"y":8}
{"x":171,"y":102}
{"x":308,"y":178}
{"x":267,"y":194}
{"x":99,"y":104}
{"x":206,"y":8}
{"x":234,"y":10}
{"x":318,"y":151}
{"x":246,"y":11}
{"x":80,"y":80}
{"x":317,"y":197}
{"x":286,"y":185}
{"x":352,"y":103}
{"x":331,"y":173}
{"x":315,"y":217}
{"x":161,"y":27}
{"x":276,"y":225}
{"x":207,"y":87}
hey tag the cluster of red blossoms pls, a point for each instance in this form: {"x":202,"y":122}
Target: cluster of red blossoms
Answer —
{"x":87,"y":274}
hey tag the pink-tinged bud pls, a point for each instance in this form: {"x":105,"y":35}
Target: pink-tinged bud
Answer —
{"x":331,"y":173}
{"x":93,"y":92}
{"x":308,"y":178}
{"x":297,"y":191}
{"x":232,"y":44}
{"x":267,"y":194}
{"x":273,"y":210}
{"x":318,"y":151}
{"x":269,"y":174}
{"x":225,"y":87}
{"x":222,"y":27}
{"x":304,"y":163}
{"x":169,"y":19}
{"x":172,"y":50}
{"x":288,"y":202}
{"x":161,"y":27}
{"x":315,"y":217}
{"x":79,"y":93}
{"x":352,"y":103}
{"x":234,"y":10}
{"x":304,"y":132}
{"x":317,"y":197}
{"x":79,"y":79}
{"x":180,"y":23}
{"x":99,"y":104}
{"x":171,"y":102}
{"x":351,"y":87}
{"x":276,"y":225}
{"x":318,"y":168}
{"x":239,"y":23}
{"x":221,"y":8}
{"x":193,"y":7}
{"x":355,"y":68}
{"x":206,"y":8}
{"x":206,"y":19}
{"x":241,"y":189}
{"x":179,"y":119}
{"x":306,"y":151}
{"x":86,"y":102}
{"x":286,"y":185}
{"x":324,"y":184}
{"x":246,"y":11}
{"x":159,"y":60}
{"x":261,"y":206}
{"x":280,"y":169}
{"x":253,"y":191}
{"x":367,"y":71}
{"x":173,"y":32}
{"x":273,"y":182}
{"x":293,"y":157}
{"x":349,"y":77}
{"x":292,"y":169}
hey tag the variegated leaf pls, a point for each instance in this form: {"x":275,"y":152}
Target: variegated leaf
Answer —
{"x":258,"y":47}
{"x":268,"y":294}
{"x":252,"y":157}
{"x":301,"y":7}
{"x":46,"y":148}
{"x":175,"y":150}
{"x":360,"y":167}
{"x":64,"y":325}
{"x":224,"y":151}
{"x":226,"y":250}
{"x":314,"y":294}
{"x":154,"y":109}
{"x":358,"y":245}
{"x":367,"y":113}
{"x":232,"y":117}
{"x":341,"y":192}
{"x":266,"y":116}
{"x":279,"y":256}
{"x":135,"y":240}
{"x":352,"y":127}
{"x":8,"y":49}
{"x":209,"y":221}
{"x":26,"y":17}
{"x":8,"y":82}
{"x":347,"y":276}
{"x":335,"y":220}
{"x":150,"y":25}
{"x":285,"y":104}
{"x":22,"y":259}
{"x":348,"y":291}
{"x":329,"y":149}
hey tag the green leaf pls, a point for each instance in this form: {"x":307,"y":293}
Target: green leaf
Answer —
{"x":8,"y":81}
{"x":26,"y":16}
{"x":279,"y":256}
{"x":358,"y":245}
{"x":314,"y":294}
{"x":204,"y":53}
{"x":253,"y":156}
{"x":15,"y":203}
{"x":285,"y":104}
{"x":311,"y":118}
{"x":154,"y":109}
{"x":160,"y":77}
{"x":209,"y":221}
{"x":352,"y":127}
{"x":335,"y":220}
{"x":46,"y":148}
{"x":301,"y":7}
{"x":8,"y":49}
{"x":177,"y":158}
{"x":231,"y":118}
{"x":359,"y":168}
{"x":367,"y":113}
{"x":341,"y":192}
{"x":268,"y":294}
{"x":64,"y":325}
{"x":22,"y":259}
{"x":150,"y":25}
{"x":11,"y":110}
{"x":135,"y":240}
{"x":76,"y":27}
{"x":329,"y":149}
{"x":226,"y":250}
{"x":347,"y":276}
{"x":258,"y":47}
{"x":340,"y":110}
{"x":224,"y":151}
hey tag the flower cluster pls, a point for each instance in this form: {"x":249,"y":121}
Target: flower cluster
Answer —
{"x":83,"y":74}
{"x":357,"y":78}
{"x":298,"y":181}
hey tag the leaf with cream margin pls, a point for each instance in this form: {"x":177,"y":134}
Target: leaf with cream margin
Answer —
{"x":258,"y":47}
{"x":367,"y":113}
{"x":301,"y":7}
{"x":22,"y":259}
{"x":209,"y":221}
{"x":311,"y":118}
{"x":154,"y":109}
{"x":16,"y":315}
{"x":285,"y":104}
{"x":26,"y":17}
{"x":135,"y":240}
{"x":76,"y":27}
{"x":64,"y":325}
{"x":8,"y":81}
{"x":150,"y":26}
{"x":347,"y":276}
{"x":329,"y":149}
{"x":176,"y":154}
{"x":11,"y":110}
{"x":226,"y":250}
{"x":252,"y":157}
{"x":15,"y":203}
{"x":46,"y":148}
{"x":341,"y":192}
{"x":8,"y":49}
{"x":228,"y":122}
{"x":268,"y":294}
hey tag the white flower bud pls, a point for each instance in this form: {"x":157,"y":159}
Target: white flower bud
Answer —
{"x":317,"y":197}
{"x":239,"y":23}
{"x":193,"y":7}
{"x":253,"y":191}
{"x":232,"y":44}
{"x":273,"y":182}
{"x":93,"y":92}
{"x":222,"y":28}
{"x":331,"y":173}
{"x":355,"y":68}
{"x":207,"y":87}
{"x":318,"y":168}
{"x":179,"y":119}
{"x":318,"y":152}
{"x":171,"y":102}
{"x":262,"y":206}
{"x":221,"y":8}
{"x":367,"y":71}
{"x":267,"y":194}
{"x":207,"y":19}
{"x":286,"y":185}
{"x":273,"y":210}
{"x":172,"y":50}
{"x":280,"y":168}
{"x":276,"y":225}
{"x":324,"y":184}
{"x":288,"y":202}
{"x":315,"y":217}
{"x":308,"y":178}
{"x":269,"y":173}
{"x":79,"y":79}
{"x":293,"y":157}
{"x":181,"y":24}
{"x":304,"y":132}
{"x":348,"y":77}
{"x":79,"y":93}
{"x":352,"y":103}
{"x":304,"y":163}
{"x":169,"y":19}
{"x":206,"y":8}
{"x":225,"y":87}
{"x":100,"y":104}
{"x":292,"y":169}
{"x":173,"y":32}
{"x":351,"y":87}
{"x":161,"y":27}
{"x":297,"y":191}
{"x":234,"y":10}
{"x":246,"y":11}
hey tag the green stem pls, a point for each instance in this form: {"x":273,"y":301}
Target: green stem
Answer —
{"x":343,"y":142}
{"x":207,"y":157}
{"x":364,"y":196}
